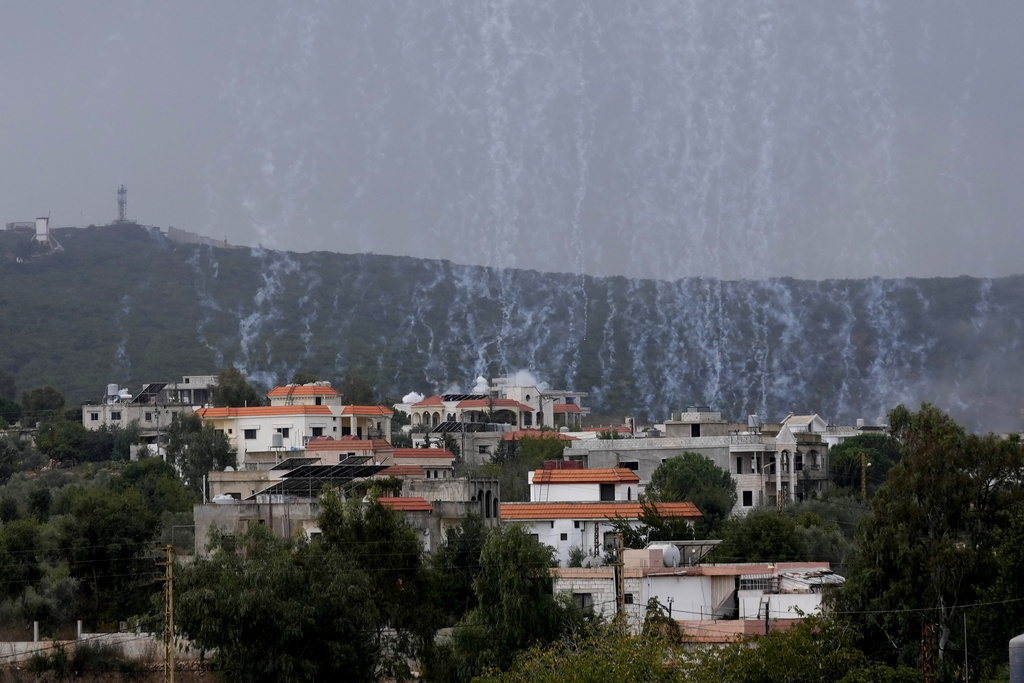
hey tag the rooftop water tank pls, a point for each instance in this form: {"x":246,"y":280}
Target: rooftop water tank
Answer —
{"x":669,"y":553}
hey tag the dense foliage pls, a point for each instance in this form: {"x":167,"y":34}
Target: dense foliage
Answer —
{"x":692,"y":478}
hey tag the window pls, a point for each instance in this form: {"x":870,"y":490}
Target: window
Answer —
{"x":283,"y":431}
{"x":576,"y":524}
{"x":563,"y":537}
{"x":583,"y":600}
{"x":94,"y":416}
{"x":218,"y":432}
{"x":115,"y":415}
{"x":482,"y":450}
{"x":535,"y":537}
{"x":527,"y":420}
{"x":748,"y":498}
{"x":249,"y":433}
{"x":798,"y":462}
{"x":319,"y":400}
{"x":149,"y":417}
{"x":318,"y":431}
{"x":628,"y":598}
{"x":695,"y":430}
{"x":231,"y":431}
{"x":630,"y":465}
{"x":739,"y":465}
{"x":607,"y":491}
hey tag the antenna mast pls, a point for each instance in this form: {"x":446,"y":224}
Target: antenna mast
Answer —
{"x":122,"y":204}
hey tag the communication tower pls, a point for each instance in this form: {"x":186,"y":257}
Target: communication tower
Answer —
{"x":122,"y":204}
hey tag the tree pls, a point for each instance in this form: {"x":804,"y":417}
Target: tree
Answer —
{"x":652,"y":527}
{"x":40,"y":403}
{"x":278,"y":609}
{"x":304,"y":378}
{"x":881,"y":451}
{"x":107,"y":539}
{"x":159,"y":485}
{"x":233,"y":391}
{"x":516,"y":606}
{"x":928,"y":547}
{"x":196,"y":448}
{"x":10,"y":412}
{"x":692,"y":478}
{"x":1002,"y":615}
{"x":8,"y":386}
{"x":760,"y":536}
{"x":356,"y":390}
{"x":456,"y":565}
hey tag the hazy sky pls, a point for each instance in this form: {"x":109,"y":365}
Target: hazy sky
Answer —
{"x":740,"y":139}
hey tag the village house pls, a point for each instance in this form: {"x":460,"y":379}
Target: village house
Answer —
{"x":153,"y":408}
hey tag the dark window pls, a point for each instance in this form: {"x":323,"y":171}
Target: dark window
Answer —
{"x":607,"y":491}
{"x":630,"y":465}
{"x":798,"y":462}
{"x":739,"y":465}
{"x":482,"y":450}
{"x":319,"y":400}
{"x":564,"y":537}
{"x":576,"y":524}
{"x":748,"y":498}
{"x":94,"y":416}
{"x":115,"y":415}
{"x":249,"y":433}
{"x":535,"y":537}
{"x":583,"y":600}
{"x":695,"y":430}
{"x":218,"y":432}
{"x":149,"y":417}
{"x":318,"y":431}
{"x":629,"y":598}
{"x":283,"y":431}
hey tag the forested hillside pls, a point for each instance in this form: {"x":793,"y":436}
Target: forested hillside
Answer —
{"x":123,"y":304}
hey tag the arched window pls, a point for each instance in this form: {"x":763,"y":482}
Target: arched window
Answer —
{"x":495,"y":504}
{"x":487,"y":505}
{"x":437,"y":419}
{"x":629,"y":493}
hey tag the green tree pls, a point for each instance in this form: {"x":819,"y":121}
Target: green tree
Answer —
{"x":278,"y":609}
{"x":760,"y":536}
{"x":195,"y":448}
{"x":10,"y":412}
{"x":40,"y":403}
{"x":159,"y":485}
{"x":928,"y":547}
{"x":356,"y":390}
{"x":692,"y":478}
{"x":304,"y":378}
{"x":653,"y":527}
{"x":1001,"y":617}
{"x":881,"y":451}
{"x":516,"y":606}
{"x":234,"y":391}
{"x":8,"y":386}
{"x":107,"y":540}
{"x":455,"y":566}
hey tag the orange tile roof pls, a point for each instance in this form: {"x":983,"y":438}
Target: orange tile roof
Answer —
{"x":565,"y":408}
{"x":493,"y":403}
{"x":423,"y":453}
{"x":434,"y":400}
{"x":402,"y":471}
{"x":366,"y":410}
{"x":536,"y":434}
{"x":602,"y":510}
{"x":410,"y":504}
{"x":262,"y":411}
{"x":304,"y":390}
{"x":616,"y":475}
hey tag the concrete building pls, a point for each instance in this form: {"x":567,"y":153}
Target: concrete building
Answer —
{"x":153,"y":408}
{"x":710,"y":603}
{"x":790,"y":458}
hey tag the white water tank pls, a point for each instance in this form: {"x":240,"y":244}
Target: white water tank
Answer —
{"x":111,"y":390}
{"x":669,"y":553}
{"x":1017,"y":659}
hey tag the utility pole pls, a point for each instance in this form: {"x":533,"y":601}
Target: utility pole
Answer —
{"x":168,"y":614}
{"x":620,"y":585}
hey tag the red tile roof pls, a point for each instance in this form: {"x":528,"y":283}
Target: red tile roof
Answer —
{"x":261,"y":411}
{"x":304,"y":390}
{"x":493,"y":403}
{"x":602,"y":510}
{"x":565,"y":408}
{"x":423,"y":453}
{"x":617,"y":475}
{"x":535,"y":434}
{"x":411,"y":504}
{"x":434,"y":400}
{"x":366,"y":410}
{"x":402,"y":471}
